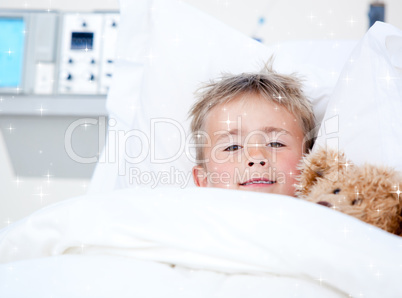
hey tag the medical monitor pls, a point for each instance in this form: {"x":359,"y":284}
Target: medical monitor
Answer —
{"x":12,"y":43}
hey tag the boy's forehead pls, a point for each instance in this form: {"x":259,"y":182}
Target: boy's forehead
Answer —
{"x":249,"y":113}
{"x":244,"y":108}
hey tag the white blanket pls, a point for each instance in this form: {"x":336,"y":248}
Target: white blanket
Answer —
{"x":223,"y":244}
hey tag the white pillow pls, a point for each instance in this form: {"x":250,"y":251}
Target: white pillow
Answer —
{"x":363,"y":117}
{"x":166,"y":49}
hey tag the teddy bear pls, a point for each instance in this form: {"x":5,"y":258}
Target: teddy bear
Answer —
{"x":367,"y":192}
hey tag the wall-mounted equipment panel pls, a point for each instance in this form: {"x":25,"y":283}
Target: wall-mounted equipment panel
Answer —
{"x":51,"y":53}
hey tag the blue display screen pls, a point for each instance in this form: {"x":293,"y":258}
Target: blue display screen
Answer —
{"x":12,"y":37}
{"x":82,"y":40}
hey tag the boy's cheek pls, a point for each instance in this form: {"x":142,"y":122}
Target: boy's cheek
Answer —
{"x":214,"y":178}
{"x":220,"y":174}
{"x":222,"y":179}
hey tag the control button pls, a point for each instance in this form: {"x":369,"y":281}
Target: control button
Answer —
{"x":109,"y":61}
{"x":113,"y":23}
{"x":84,"y":24}
{"x":91,"y":77}
{"x":66,"y":76}
{"x":70,"y":61}
{"x":92,"y":61}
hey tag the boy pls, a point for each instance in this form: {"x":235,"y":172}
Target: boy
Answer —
{"x":251,"y":131}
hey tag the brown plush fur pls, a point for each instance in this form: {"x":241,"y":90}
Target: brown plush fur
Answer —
{"x":369,"y":193}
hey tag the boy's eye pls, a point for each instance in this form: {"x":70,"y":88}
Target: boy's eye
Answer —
{"x":232,"y":148}
{"x":276,"y":145}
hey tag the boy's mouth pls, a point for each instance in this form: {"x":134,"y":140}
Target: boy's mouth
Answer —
{"x":257,"y":181}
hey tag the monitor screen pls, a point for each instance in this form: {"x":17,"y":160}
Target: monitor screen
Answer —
{"x":82,"y":40}
{"x":12,"y":38}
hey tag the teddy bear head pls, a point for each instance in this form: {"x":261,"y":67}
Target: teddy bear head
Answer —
{"x":369,"y":193}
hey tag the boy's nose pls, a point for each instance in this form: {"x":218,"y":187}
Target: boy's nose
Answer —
{"x":262,"y":163}
{"x":256,"y":155}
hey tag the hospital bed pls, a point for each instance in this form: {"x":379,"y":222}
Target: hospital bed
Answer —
{"x":144,"y":230}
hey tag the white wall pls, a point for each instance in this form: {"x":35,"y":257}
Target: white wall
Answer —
{"x":284,"y":20}
{"x":295,"y":19}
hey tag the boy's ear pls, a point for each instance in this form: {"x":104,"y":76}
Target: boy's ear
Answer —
{"x":200,"y":176}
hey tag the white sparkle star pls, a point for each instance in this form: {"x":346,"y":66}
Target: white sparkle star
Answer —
{"x":346,"y":230}
{"x":41,"y":110}
{"x":10,"y":128}
{"x":9,"y":52}
{"x":48,"y":176}
{"x":151,"y":57}
{"x":398,"y":191}
{"x":41,"y":194}
{"x":333,"y":73}
{"x":357,"y":193}
{"x":347,"y":79}
{"x":320,"y":279}
{"x":311,"y":17}
{"x":352,"y":21}
{"x":228,"y":121}
{"x":346,"y":164}
{"x":387,"y":78}
{"x":335,"y":110}
{"x":17,"y":181}
{"x":279,"y":97}
{"x":85,"y":125}
{"x":82,"y":246}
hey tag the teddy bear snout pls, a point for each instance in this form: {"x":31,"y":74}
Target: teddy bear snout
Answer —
{"x":325,"y":203}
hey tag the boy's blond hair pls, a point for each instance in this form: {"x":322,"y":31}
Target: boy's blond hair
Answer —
{"x":284,"y":90}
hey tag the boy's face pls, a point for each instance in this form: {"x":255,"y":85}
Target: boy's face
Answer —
{"x":254,"y":145}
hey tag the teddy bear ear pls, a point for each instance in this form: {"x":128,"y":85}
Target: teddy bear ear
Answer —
{"x":396,"y":192}
{"x":320,"y":163}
